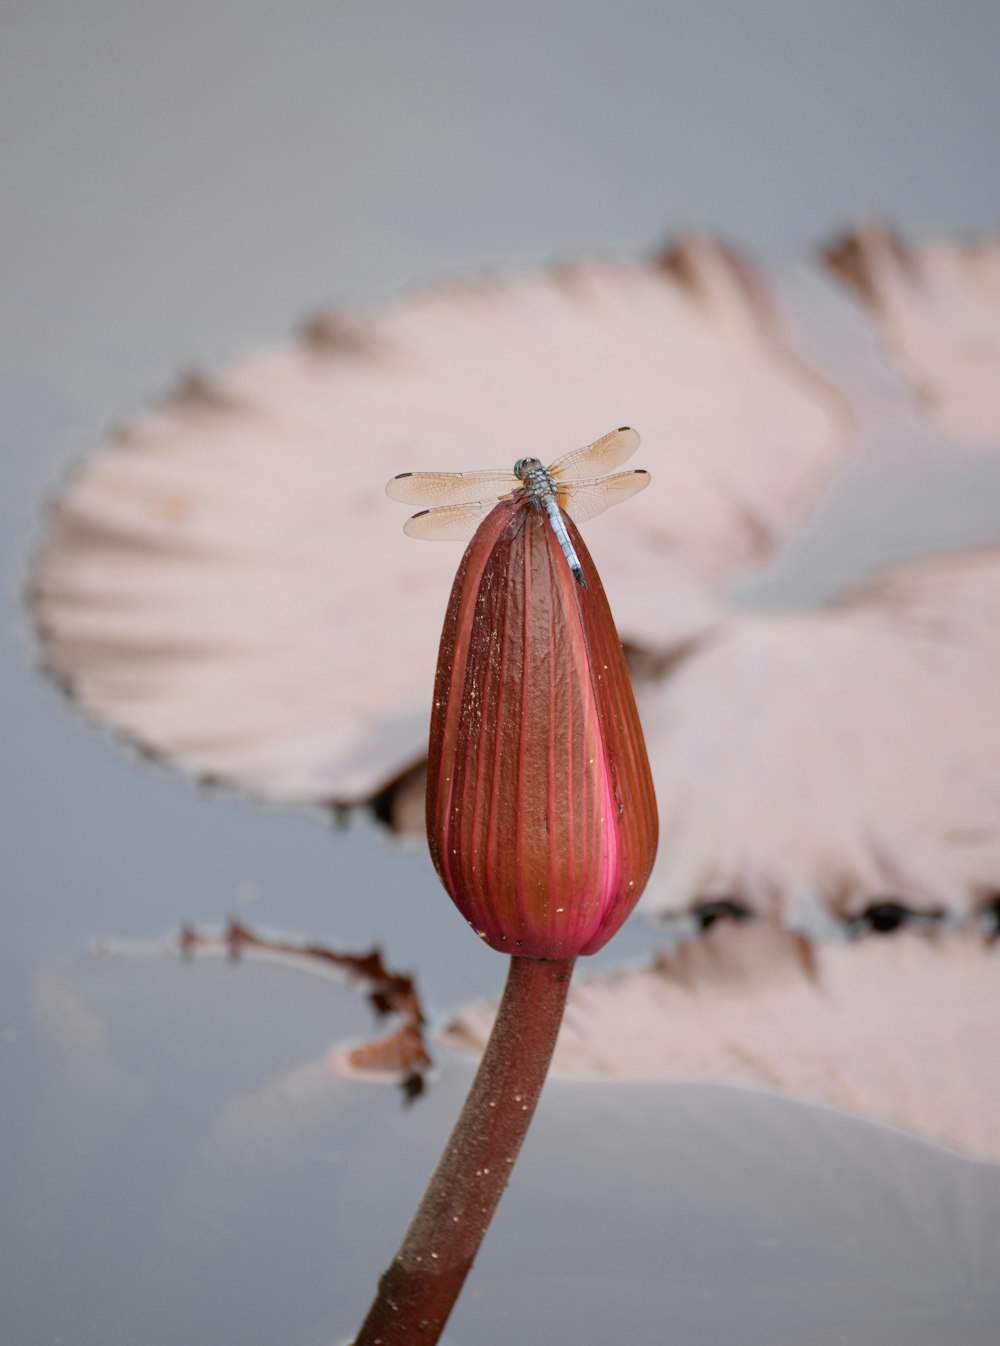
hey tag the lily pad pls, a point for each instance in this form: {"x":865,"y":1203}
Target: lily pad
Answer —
{"x":226,"y":585}
{"x":849,"y":754}
{"x":936,"y":306}
{"x":902,"y":1030}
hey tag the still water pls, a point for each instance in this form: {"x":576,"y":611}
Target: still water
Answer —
{"x":179,"y":1164}
{"x":183,"y":1165}
{"x":192,"y":1169}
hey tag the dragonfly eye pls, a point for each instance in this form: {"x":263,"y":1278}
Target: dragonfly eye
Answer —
{"x":524,"y":465}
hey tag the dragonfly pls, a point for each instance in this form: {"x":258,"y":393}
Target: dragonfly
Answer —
{"x":457,"y":502}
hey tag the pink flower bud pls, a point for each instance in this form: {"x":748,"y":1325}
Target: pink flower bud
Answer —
{"x":541,"y":815}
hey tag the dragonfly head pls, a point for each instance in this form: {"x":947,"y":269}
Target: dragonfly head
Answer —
{"x":525,"y":465}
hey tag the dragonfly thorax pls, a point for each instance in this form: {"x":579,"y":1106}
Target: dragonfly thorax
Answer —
{"x":538,"y":482}
{"x":573,"y":487}
{"x":524,"y":467}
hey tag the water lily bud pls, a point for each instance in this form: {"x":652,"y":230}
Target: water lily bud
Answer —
{"x":541,"y":815}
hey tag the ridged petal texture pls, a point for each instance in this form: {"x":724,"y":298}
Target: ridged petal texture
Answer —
{"x":541,"y":813}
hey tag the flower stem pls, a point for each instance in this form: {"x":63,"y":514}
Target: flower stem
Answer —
{"x":418,"y":1291}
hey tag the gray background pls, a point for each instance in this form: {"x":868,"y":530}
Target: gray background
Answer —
{"x":181,"y":181}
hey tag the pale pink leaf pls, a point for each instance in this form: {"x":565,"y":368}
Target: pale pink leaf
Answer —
{"x":226,"y":583}
{"x":937,"y":309}
{"x":847,"y":755}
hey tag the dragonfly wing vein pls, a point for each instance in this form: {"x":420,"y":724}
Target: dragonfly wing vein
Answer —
{"x":450,"y":488}
{"x":609,"y":451}
{"x":449,"y":523}
{"x":590,"y":498}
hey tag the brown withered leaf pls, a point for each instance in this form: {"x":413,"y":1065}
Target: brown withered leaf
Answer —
{"x":937,"y":308}
{"x":225,"y":583}
{"x":903,"y":1030}
{"x":849,"y":754}
{"x":401,"y":1055}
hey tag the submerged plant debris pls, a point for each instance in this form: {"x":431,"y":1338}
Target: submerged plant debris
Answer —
{"x":401,"y":1055}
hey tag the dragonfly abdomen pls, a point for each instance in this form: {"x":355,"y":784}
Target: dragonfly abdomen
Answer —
{"x":540,"y":489}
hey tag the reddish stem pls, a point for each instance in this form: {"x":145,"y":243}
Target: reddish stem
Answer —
{"x":418,"y":1291}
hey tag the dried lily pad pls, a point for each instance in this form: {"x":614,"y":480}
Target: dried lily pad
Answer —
{"x":225,"y":583}
{"x":902,"y":1030}
{"x":400,"y":1056}
{"x":849,"y":754}
{"x":937,"y":307}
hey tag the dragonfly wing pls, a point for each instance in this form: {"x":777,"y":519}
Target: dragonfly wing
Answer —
{"x":450,"y":488}
{"x":608,"y":452}
{"x":590,"y":498}
{"x":449,"y":523}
